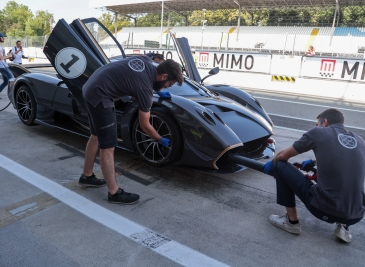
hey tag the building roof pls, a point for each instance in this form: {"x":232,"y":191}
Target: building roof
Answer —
{"x":124,"y":7}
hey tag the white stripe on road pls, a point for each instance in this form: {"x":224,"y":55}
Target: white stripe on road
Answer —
{"x":168,"y":248}
{"x":290,"y":129}
{"x":307,"y":104}
{"x":302,"y":119}
{"x":290,"y":117}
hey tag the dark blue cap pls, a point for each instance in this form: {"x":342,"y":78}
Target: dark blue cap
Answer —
{"x":2,"y":35}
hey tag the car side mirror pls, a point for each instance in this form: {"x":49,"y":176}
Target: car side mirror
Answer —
{"x":212,"y":72}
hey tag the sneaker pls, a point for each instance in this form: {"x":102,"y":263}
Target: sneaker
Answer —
{"x":91,"y":181}
{"x":282,"y":222}
{"x":341,"y":233}
{"x":122,"y":197}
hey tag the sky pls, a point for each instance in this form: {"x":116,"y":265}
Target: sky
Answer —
{"x":61,"y":9}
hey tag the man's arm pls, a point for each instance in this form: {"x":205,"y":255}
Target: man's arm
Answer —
{"x":15,"y":51}
{"x":144,"y":121}
{"x":3,"y":56}
{"x":285,"y":155}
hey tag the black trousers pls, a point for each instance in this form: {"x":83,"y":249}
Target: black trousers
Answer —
{"x":290,"y":182}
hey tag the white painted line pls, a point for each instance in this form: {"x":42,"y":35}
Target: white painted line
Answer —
{"x":290,"y":129}
{"x":23,"y":208}
{"x":290,"y":117}
{"x":307,"y":104}
{"x":296,"y":118}
{"x":170,"y":249}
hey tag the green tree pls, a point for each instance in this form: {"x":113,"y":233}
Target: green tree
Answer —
{"x":353,"y":16}
{"x":2,"y":22}
{"x":40,"y":25}
{"x":148,"y":20}
{"x":15,"y":18}
{"x":254,"y":17}
{"x":108,"y":20}
{"x":221,"y":17}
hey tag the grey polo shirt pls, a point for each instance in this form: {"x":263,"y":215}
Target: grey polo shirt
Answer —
{"x":133,"y":76}
{"x":340,"y":159}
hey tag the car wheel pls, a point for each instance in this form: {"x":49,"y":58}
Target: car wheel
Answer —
{"x":152,"y":151}
{"x":26,"y":105}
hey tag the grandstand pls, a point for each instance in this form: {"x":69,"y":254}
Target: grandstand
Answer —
{"x":273,"y":39}
{"x":291,"y":40}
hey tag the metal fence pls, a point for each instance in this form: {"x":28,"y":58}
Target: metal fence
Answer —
{"x":277,"y":44}
{"x":280,"y":44}
{"x":27,"y":41}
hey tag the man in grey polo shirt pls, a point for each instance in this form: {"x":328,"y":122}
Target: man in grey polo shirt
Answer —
{"x":338,"y":196}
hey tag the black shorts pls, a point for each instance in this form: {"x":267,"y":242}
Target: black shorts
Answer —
{"x":103,"y":124}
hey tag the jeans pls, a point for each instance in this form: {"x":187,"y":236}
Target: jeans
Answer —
{"x":290,"y":182}
{"x":7,"y":75}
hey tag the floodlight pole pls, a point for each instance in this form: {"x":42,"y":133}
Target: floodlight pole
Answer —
{"x":161,"y":23}
{"x":116,"y":24}
{"x":203,"y":27}
{"x":239,"y":19}
{"x":168,"y":19}
{"x":334,"y":19}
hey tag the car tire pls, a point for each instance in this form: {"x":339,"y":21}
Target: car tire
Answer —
{"x":26,"y":105}
{"x":150,"y":150}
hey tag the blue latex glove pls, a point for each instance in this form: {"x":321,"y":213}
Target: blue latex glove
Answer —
{"x":164,"y":95}
{"x":307,"y":165}
{"x":268,"y":167}
{"x":164,"y":141}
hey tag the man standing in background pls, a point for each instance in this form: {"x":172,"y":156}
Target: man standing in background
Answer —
{"x":18,"y":53}
{"x":4,"y":68}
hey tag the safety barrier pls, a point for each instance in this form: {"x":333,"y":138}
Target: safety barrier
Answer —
{"x":334,"y":68}
{"x":279,"y":67}
{"x":344,"y":69}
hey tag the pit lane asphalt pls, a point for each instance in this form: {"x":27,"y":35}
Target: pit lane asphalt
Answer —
{"x":299,"y":112}
{"x":222,"y":216}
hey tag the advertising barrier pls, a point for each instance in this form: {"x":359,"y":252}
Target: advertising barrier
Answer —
{"x":327,"y":68}
{"x":345,"y":69}
{"x":246,"y":62}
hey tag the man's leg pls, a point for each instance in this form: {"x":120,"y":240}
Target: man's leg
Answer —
{"x":105,"y":128}
{"x":88,"y":178}
{"x":108,"y":169}
{"x":292,"y":213}
{"x":6,"y":74}
{"x":91,"y":151}
{"x":289,"y":182}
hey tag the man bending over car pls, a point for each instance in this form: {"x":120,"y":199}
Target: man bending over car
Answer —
{"x":338,"y":196}
{"x":134,"y":76}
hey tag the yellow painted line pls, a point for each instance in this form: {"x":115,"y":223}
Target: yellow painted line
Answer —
{"x":311,"y":39}
{"x":167,"y":31}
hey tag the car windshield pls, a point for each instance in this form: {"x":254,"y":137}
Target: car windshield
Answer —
{"x":189,"y":88}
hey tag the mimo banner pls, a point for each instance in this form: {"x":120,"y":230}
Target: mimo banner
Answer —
{"x":246,"y":62}
{"x":333,"y":68}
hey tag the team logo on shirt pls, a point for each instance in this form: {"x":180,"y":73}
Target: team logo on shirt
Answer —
{"x":136,"y":65}
{"x":347,"y":141}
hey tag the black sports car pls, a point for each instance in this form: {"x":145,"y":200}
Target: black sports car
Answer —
{"x":205,"y":124}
